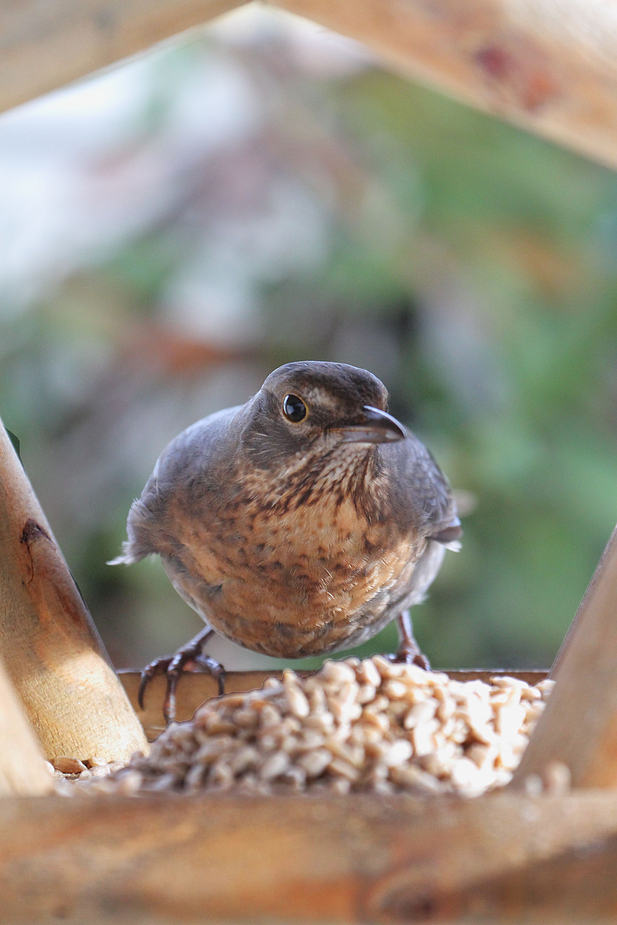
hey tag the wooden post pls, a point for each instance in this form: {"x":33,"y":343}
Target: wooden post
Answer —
{"x":579,"y":724}
{"x":22,"y":768}
{"x":49,"y":645}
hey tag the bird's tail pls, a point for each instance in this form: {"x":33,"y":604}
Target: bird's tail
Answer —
{"x":139,"y":544}
{"x":128,"y":556}
{"x":450,"y":535}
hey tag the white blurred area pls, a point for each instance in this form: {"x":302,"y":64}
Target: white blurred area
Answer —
{"x":93,"y":165}
{"x":144,"y":213}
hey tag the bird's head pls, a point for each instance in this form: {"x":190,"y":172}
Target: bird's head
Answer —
{"x":318,"y":407}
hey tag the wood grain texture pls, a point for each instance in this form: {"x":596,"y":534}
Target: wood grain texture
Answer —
{"x":504,"y":858}
{"x":194,"y":689}
{"x":47,"y":43}
{"x":549,"y":67}
{"x":579,"y":724}
{"x":22,"y":766}
{"x":50,"y":648}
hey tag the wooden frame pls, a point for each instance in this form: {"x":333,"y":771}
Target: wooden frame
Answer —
{"x":506,"y":857}
{"x":548,"y":66}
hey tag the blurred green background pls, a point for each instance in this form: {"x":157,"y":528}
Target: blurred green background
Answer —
{"x":265,"y":191}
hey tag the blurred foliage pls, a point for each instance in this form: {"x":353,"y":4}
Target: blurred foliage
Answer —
{"x":363,"y":219}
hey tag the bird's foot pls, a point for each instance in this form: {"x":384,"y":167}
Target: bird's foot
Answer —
{"x":188,"y":658}
{"x":408,"y":651}
{"x":410,"y":654}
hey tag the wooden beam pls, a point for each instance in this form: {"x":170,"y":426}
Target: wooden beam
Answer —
{"x":194,"y":689}
{"x":45,"y":45}
{"x":548,"y":66}
{"x":219,"y":859}
{"x":50,"y":648}
{"x":579,"y":725}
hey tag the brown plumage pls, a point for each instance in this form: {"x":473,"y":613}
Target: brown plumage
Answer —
{"x":299,"y":523}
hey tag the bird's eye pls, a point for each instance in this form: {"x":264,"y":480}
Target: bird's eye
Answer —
{"x":294,"y":409}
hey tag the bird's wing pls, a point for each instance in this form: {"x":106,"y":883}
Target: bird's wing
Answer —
{"x":193,"y":458}
{"x":423,"y":494}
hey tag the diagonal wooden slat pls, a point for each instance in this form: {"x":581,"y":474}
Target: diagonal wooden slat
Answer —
{"x":547,"y":66}
{"x":44,"y":44}
{"x":579,"y":724}
{"x":48,"y":643}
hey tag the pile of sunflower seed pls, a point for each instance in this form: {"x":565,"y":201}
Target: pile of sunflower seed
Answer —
{"x":355,"y":725}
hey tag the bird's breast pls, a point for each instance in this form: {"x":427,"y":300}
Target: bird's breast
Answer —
{"x":295,"y":579}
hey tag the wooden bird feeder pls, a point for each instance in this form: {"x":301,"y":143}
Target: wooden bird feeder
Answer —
{"x":551,"y":68}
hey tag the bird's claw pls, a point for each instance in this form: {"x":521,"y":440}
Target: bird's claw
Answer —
{"x":173,"y":666}
{"x":157,"y":666}
{"x":411,"y":655}
{"x":211,"y":666}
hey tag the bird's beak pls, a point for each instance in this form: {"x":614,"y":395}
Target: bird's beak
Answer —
{"x":376,"y":426}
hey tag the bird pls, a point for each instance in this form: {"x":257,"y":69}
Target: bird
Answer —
{"x":297,"y":524}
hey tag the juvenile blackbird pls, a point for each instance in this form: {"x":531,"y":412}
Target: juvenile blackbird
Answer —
{"x":297,"y":524}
